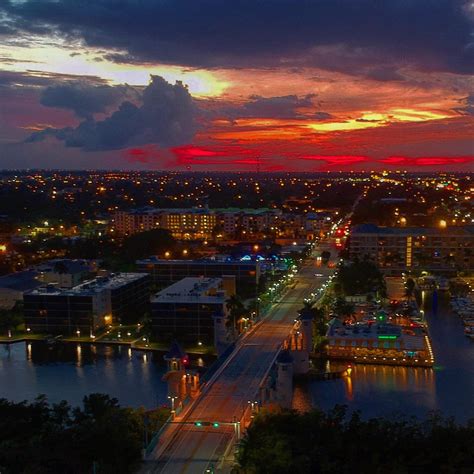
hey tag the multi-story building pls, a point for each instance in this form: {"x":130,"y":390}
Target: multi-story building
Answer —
{"x":186,"y":310}
{"x":197,"y":223}
{"x":165,"y":272}
{"x":397,"y":249}
{"x":182,"y":223}
{"x":119,"y":297}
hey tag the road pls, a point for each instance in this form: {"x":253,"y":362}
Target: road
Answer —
{"x":190,"y":449}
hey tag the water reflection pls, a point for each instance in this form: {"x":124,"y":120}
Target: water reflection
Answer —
{"x":70,"y":371}
{"x":385,"y":390}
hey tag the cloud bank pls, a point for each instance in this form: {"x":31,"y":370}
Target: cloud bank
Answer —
{"x":166,"y":117}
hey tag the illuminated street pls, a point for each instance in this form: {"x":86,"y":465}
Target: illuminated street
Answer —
{"x":192,"y":449}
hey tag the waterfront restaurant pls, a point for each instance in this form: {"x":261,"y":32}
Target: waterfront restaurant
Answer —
{"x":379,"y":343}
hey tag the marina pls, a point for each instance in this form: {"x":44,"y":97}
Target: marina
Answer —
{"x":385,"y":390}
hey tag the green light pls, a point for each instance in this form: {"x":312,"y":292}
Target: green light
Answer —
{"x":198,"y":423}
{"x":387,"y":337}
{"x":215,"y":424}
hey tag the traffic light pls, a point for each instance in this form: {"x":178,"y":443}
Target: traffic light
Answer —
{"x":200,"y":424}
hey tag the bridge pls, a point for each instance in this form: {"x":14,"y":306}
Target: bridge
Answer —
{"x":204,"y":432}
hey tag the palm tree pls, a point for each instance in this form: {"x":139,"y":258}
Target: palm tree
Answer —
{"x":318,"y":316}
{"x":236,"y":309}
{"x":343,"y":308}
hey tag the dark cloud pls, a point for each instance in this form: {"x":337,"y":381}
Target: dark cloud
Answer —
{"x":84,"y":99}
{"x":468,"y":105}
{"x":322,"y":116}
{"x":384,"y":74}
{"x":284,"y":107}
{"x":32,"y":78}
{"x":354,"y":36}
{"x":166,"y":118}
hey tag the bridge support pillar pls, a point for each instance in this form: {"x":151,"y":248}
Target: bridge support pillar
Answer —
{"x":284,"y":380}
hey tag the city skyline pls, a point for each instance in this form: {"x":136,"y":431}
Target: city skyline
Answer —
{"x":206,"y":86}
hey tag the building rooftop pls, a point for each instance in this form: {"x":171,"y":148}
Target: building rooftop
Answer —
{"x":156,"y":210}
{"x":402,"y":231}
{"x":192,"y":290}
{"x":202,"y":210}
{"x":90,"y":287}
{"x":203,"y":261}
{"x":358,"y":335}
{"x":20,"y":281}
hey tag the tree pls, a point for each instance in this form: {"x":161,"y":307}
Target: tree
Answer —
{"x":236,"y":309}
{"x":60,"y":439}
{"x":318,"y":317}
{"x":10,"y":319}
{"x":144,"y":244}
{"x":334,"y":442}
{"x":343,"y":308}
{"x":361,"y":277}
{"x":325,"y":255}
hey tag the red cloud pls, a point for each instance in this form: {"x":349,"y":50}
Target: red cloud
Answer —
{"x":427,"y":160}
{"x":341,"y":160}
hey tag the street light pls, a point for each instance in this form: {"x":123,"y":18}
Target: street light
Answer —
{"x":172,"y":398}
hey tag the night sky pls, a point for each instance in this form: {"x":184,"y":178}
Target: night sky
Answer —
{"x":216,"y":85}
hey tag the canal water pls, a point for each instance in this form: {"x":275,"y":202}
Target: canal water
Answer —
{"x":389,"y":391}
{"x":71,"y":371}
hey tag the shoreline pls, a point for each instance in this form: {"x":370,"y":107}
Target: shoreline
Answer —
{"x":129,"y":344}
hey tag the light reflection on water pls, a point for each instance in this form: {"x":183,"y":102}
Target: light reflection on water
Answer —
{"x":386,"y":390}
{"x":69,"y":371}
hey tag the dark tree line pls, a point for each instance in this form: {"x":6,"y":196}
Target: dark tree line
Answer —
{"x":43,"y":438}
{"x":334,"y":443}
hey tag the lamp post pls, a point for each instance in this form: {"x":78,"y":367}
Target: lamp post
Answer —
{"x":253,"y":408}
{"x":172,"y":398}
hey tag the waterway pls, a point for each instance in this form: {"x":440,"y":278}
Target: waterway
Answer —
{"x":389,"y":391}
{"x":71,"y":371}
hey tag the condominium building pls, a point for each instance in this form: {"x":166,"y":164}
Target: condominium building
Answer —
{"x":182,"y":223}
{"x":119,"y":297}
{"x":396,"y":249}
{"x":186,"y":310}
{"x":197,"y":222}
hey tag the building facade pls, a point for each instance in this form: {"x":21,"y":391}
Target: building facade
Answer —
{"x":396,"y":249}
{"x":120,"y":297}
{"x":182,"y":223}
{"x":196,"y":223}
{"x":186,"y":310}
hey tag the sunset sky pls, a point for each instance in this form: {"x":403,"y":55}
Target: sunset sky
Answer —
{"x":299,"y":85}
